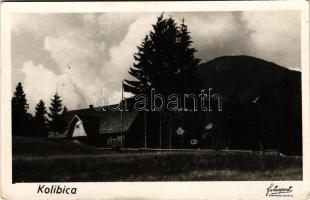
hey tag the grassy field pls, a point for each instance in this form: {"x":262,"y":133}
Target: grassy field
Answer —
{"x":39,"y":160}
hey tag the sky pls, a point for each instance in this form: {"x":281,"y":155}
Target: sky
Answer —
{"x":85,"y":56}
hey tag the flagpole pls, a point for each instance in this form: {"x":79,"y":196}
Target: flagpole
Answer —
{"x":170,"y":124}
{"x":122,"y":114}
{"x":160,"y":129}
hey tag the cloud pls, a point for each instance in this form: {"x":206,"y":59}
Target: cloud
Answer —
{"x":91,"y":52}
{"x":77,"y":56}
{"x":116,"y":96}
{"x":113,"y":23}
{"x":42,"y":83}
{"x":213,"y":28}
{"x":77,"y":47}
{"x":121,"y":56}
{"x":246,"y":33}
{"x":28,"y":23}
{"x":216,"y":34}
{"x":275,"y":36}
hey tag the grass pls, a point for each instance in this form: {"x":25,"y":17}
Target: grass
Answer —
{"x":78,"y":163}
{"x":49,"y":147}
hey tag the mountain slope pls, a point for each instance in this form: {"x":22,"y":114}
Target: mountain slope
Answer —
{"x":260,"y":99}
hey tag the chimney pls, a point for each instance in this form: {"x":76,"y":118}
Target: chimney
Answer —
{"x":91,"y":106}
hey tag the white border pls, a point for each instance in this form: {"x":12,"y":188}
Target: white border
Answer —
{"x":149,"y":190}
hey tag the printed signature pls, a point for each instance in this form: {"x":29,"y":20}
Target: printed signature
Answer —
{"x":275,"y":190}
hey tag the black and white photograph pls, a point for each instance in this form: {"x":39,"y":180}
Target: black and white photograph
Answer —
{"x":156,"y":95}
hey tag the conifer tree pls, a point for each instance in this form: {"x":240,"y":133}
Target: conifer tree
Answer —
{"x":40,"y":120}
{"x":155,"y":60}
{"x":165,"y":60}
{"x":56,"y":119}
{"x":20,"y":117}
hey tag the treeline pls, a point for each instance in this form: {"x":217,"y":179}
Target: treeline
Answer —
{"x":43,"y":122}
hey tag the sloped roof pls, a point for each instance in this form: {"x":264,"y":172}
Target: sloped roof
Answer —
{"x":85,"y":112}
{"x":111,"y":122}
{"x":103,"y":121}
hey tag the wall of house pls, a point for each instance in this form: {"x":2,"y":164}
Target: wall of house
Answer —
{"x":79,"y":130}
{"x":135,"y":135}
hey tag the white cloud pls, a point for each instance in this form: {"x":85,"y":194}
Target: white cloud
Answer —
{"x":112,"y":23}
{"x":89,"y":72}
{"x":99,"y":48}
{"x":116,"y":96}
{"x":42,"y":83}
{"x":212,"y":29}
{"x":38,"y":25}
{"x":215,"y":34}
{"x":121,"y":56}
{"x":77,"y":57}
{"x":275,"y":36}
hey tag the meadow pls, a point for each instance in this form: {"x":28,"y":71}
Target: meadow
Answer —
{"x":44,"y":160}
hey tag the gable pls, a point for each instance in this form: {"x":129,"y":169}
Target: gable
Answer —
{"x":76,"y":128}
{"x":79,"y":130}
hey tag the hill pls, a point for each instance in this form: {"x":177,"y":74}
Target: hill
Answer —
{"x":260,"y":99}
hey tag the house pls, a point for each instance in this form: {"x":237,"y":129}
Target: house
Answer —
{"x":137,"y":129}
{"x":105,"y":128}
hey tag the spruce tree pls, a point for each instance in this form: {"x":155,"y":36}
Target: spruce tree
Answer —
{"x":20,"y":117}
{"x":56,"y":120}
{"x":165,"y":60}
{"x":40,"y":120}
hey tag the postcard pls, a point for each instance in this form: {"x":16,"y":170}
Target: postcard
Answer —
{"x":155,"y":100}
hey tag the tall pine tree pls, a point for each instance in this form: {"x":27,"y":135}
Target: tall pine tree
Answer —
{"x":40,"y":120}
{"x":20,"y":117}
{"x":153,"y":59}
{"x":165,"y":60}
{"x":56,"y":118}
